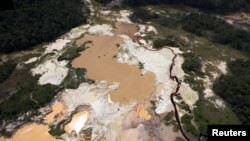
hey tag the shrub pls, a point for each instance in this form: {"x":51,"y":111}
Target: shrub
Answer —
{"x":71,"y":53}
{"x":168,"y":118}
{"x":191,"y":64}
{"x":142,"y":15}
{"x":170,"y":40}
{"x":188,"y":126}
{"x":56,"y":130}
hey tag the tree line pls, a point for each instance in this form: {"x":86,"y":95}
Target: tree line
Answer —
{"x":217,"y":30}
{"x":221,"y":6}
{"x":234,"y":88}
{"x":36,"y":21}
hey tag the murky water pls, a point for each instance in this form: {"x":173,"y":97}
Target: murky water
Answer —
{"x":57,"y":111}
{"x":77,"y":122}
{"x":100,"y":63}
{"x":32,"y":132}
{"x":125,"y":28}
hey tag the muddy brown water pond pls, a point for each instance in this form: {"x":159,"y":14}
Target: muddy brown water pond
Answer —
{"x":32,"y":132}
{"x":57,"y":108}
{"x":100,"y":63}
{"x":125,"y":28}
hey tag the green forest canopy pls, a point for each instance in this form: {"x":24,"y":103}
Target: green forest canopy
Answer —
{"x":234,"y":88}
{"x":36,"y":21}
{"x":217,"y":30}
{"x":221,"y":6}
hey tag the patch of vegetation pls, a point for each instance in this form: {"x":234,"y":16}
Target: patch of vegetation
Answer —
{"x":32,"y":96}
{"x":35,"y":21}
{"x":217,"y":30}
{"x":188,"y":126}
{"x":20,"y":77}
{"x":178,"y":97}
{"x":57,"y":130}
{"x":202,"y":46}
{"x":6,"y":70}
{"x":169,"y":117}
{"x":26,"y":99}
{"x":172,"y":21}
{"x":184,"y":106}
{"x":205,"y":112}
{"x":192,"y":64}
{"x":186,"y":118}
{"x":175,"y":127}
{"x":234,"y":88}
{"x":141,"y":65}
{"x":142,"y":15}
{"x":74,"y":78}
{"x":170,"y":40}
{"x":196,"y":85}
{"x":71,"y":53}
{"x":179,"y":139}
